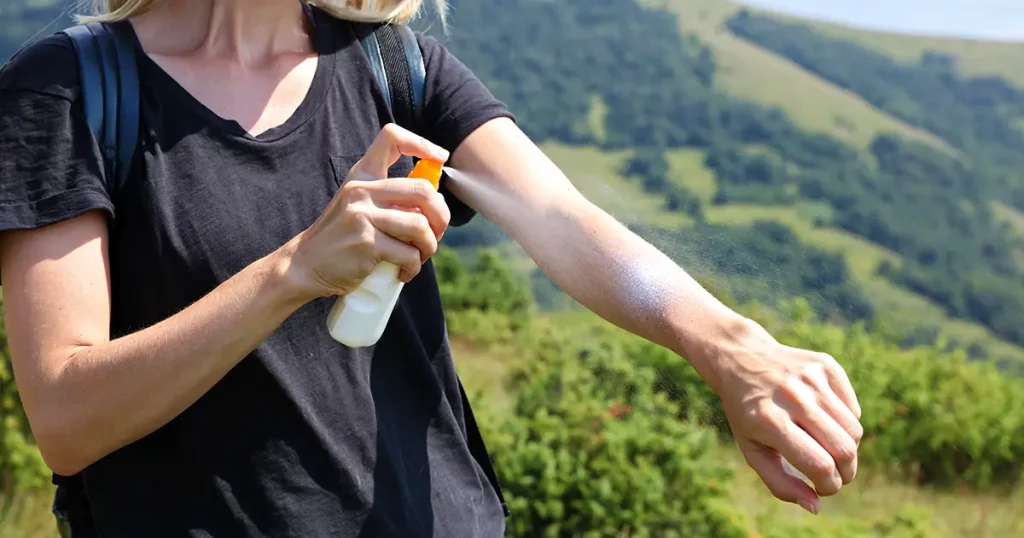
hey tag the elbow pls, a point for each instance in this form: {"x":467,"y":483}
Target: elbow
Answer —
{"x":62,"y":464}
{"x":63,"y":454}
{"x":62,"y":444}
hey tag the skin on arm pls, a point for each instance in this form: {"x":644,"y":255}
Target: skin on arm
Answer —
{"x":780,"y":401}
{"x":86,"y":396}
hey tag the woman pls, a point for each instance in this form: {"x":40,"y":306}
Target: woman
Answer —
{"x":169,"y":338}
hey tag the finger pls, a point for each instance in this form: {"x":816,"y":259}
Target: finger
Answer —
{"x":407,"y":227}
{"x":405,"y":256}
{"x":824,"y":429}
{"x":416,"y":196}
{"x":838,"y":410}
{"x":840,"y":383}
{"x":809,"y":457}
{"x":391,"y":143}
{"x":768,"y":465}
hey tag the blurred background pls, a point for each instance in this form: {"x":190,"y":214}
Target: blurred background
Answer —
{"x":848,"y":173}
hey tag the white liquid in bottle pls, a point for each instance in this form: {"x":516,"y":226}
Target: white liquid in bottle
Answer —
{"x":358,"y":319}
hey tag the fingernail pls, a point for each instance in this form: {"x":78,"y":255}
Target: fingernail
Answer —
{"x":440,"y":153}
{"x":811,"y":507}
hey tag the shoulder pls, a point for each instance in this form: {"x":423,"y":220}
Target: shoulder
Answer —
{"x":436,"y":54}
{"x":48,"y":66}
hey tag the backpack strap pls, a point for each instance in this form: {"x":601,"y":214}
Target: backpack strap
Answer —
{"x":397,"y":62}
{"x":109,"y":80}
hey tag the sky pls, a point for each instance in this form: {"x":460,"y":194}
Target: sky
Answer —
{"x":989,"y":19}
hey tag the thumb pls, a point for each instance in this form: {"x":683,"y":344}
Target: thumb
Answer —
{"x":768,"y":464}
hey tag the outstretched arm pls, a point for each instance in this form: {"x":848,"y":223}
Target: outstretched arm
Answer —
{"x":781,"y":401}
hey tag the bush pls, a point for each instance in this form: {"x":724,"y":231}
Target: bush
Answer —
{"x":487,"y":286}
{"x":592,"y":449}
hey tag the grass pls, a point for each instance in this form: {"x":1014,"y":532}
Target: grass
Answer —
{"x":755,"y":74}
{"x":687,"y":168}
{"x":870,"y":497}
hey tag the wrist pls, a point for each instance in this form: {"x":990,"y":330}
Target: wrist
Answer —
{"x":715,"y":345}
{"x":290,"y":280}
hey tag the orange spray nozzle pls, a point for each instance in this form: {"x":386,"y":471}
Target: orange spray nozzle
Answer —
{"x":429,"y":170}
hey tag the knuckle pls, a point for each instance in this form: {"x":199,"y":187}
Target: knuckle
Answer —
{"x":857,"y":433}
{"x":845,"y":453}
{"x":354,"y":190}
{"x":366,"y":237}
{"x":794,"y":388}
{"x":827,"y":361}
{"x":767,"y":417}
{"x":443,"y":209}
{"x":422,"y":190}
{"x":821,"y":468}
{"x":828,"y":488}
{"x":813,"y":372}
{"x":423,"y":225}
{"x":391,"y":130}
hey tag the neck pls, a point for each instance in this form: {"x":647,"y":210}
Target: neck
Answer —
{"x":252,"y":32}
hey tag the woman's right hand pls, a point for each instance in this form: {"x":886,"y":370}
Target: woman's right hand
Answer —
{"x":372,"y":220}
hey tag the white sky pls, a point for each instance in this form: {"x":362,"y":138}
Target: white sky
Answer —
{"x":991,"y":19}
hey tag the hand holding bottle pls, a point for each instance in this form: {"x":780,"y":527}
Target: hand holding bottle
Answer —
{"x":373,"y":220}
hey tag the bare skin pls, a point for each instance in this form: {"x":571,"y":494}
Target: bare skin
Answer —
{"x":87,"y":396}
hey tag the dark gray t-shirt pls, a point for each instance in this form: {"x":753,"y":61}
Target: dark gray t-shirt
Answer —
{"x":304,"y":437}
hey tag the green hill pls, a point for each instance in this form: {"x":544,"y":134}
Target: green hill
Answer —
{"x":753,"y":73}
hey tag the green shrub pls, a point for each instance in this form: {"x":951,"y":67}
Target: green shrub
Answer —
{"x":592,"y":450}
{"x":487,"y":286}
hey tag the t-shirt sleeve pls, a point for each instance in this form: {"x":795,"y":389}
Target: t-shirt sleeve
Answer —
{"x":50,"y":166}
{"x":455,"y":104}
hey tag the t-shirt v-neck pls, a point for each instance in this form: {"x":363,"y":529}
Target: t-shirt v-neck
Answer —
{"x":325,"y":43}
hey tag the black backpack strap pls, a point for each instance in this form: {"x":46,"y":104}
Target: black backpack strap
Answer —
{"x":397,"y":61}
{"x":109,"y":80}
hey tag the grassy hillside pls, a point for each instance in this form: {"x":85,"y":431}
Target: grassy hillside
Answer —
{"x":752,"y":73}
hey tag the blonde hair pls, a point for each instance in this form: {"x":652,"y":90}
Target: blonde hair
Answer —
{"x":390,"y":11}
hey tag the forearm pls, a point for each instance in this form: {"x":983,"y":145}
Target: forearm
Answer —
{"x":627,"y":281}
{"x":587,"y":253}
{"x":110,"y":394}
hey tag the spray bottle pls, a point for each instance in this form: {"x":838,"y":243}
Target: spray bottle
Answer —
{"x":358,"y":319}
